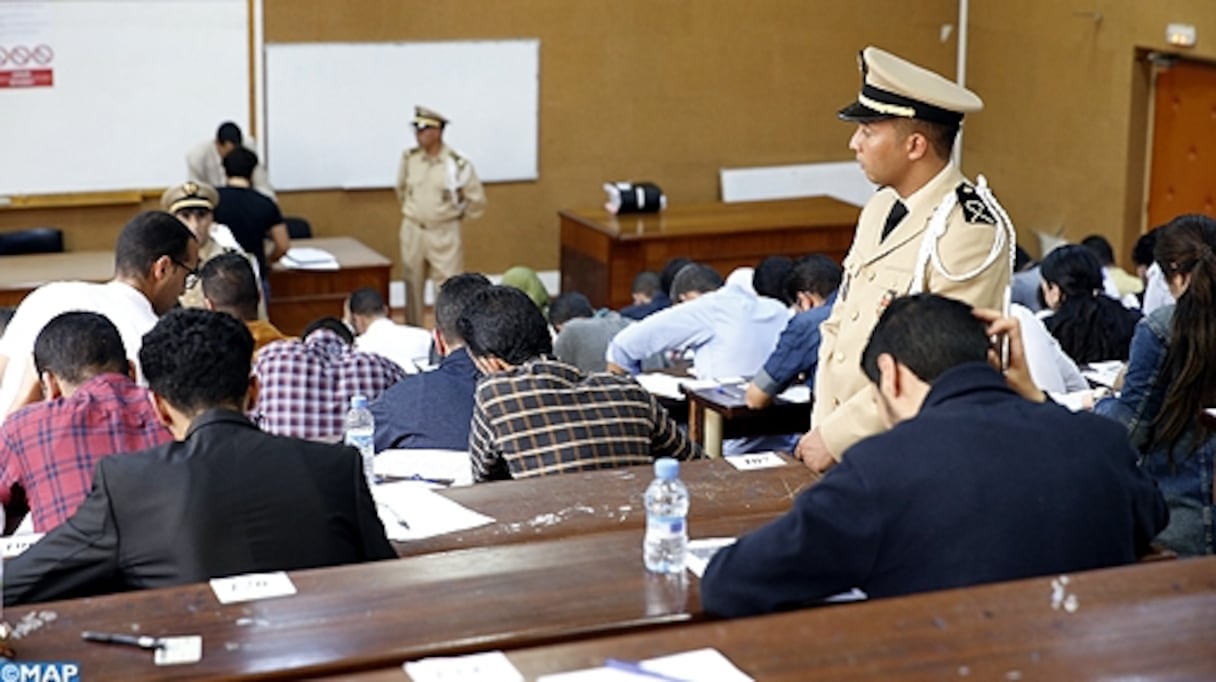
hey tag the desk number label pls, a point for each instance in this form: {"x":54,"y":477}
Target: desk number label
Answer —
{"x":252,"y":586}
{"x":759,"y":460}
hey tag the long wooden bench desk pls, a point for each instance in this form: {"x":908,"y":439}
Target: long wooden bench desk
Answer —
{"x":380,"y":614}
{"x":1149,"y":621}
{"x":611,"y":500}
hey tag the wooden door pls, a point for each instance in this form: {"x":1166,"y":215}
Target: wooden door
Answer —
{"x":1183,"y":172}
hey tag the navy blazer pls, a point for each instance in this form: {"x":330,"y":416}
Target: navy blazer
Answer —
{"x":981,"y":486}
{"x":430,"y":410}
{"x":229,"y":499}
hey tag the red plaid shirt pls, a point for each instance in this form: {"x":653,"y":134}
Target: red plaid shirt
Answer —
{"x":51,"y":448}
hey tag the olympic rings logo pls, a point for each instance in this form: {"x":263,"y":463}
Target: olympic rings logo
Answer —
{"x":21,"y":55}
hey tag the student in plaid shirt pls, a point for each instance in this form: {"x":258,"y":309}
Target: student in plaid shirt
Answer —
{"x":535,"y":416}
{"x":93,"y":410}
{"x":306,"y":386}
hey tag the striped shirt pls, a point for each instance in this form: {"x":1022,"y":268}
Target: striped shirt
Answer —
{"x":545,"y":417}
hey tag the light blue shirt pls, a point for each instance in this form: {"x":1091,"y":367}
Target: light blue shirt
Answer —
{"x":731,"y":331}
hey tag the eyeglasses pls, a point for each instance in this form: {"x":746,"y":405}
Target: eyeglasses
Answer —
{"x":191,"y":273}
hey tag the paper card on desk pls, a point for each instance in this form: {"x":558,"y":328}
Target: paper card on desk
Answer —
{"x":16,"y":544}
{"x":1103,"y":373}
{"x":179,"y":650}
{"x":252,"y":586}
{"x":489,"y":666}
{"x":755,"y":460}
{"x":701,"y":550}
{"x":451,"y":465}
{"x":411,"y":511}
{"x":308,"y":258}
{"x":798,"y":393}
{"x":701,"y":665}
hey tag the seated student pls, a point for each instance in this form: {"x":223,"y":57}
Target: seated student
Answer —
{"x":1024,"y":289}
{"x":811,"y":285}
{"x":1090,"y":326}
{"x":1156,"y":292}
{"x":93,"y":409}
{"x":770,"y":276}
{"x":433,"y":409}
{"x":229,"y":286}
{"x":534,"y":416}
{"x":648,"y":296}
{"x":224,"y":499}
{"x":526,"y":280}
{"x":583,"y":333}
{"x":367,"y":313}
{"x":730,"y":329}
{"x":305,"y":386}
{"x":1116,"y":282}
{"x":252,"y":217}
{"x":974,"y":483}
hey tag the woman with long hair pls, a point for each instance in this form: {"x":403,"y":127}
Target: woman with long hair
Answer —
{"x":1171,"y":385}
{"x":1090,"y":326}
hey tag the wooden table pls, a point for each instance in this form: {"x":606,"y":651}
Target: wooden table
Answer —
{"x":601,"y":253}
{"x":298,"y":296}
{"x":1149,"y":621}
{"x":722,"y":412}
{"x":611,"y":500}
{"x":382,"y":613}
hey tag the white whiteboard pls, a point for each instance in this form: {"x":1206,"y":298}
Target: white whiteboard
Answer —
{"x":338,"y":115}
{"x":135,"y":84}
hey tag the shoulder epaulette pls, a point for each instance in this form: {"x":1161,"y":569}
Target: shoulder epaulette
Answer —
{"x":975,"y":209}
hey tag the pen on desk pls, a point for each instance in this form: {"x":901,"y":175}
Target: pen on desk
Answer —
{"x":390,"y":478}
{"x":141,"y":641}
{"x":635,"y":668}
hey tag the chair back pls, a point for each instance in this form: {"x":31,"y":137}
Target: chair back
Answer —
{"x":298,"y":228}
{"x":33,"y":240}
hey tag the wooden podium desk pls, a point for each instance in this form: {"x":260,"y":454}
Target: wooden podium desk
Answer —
{"x":601,"y":253}
{"x":297,"y":296}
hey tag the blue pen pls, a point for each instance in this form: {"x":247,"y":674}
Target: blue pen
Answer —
{"x":635,"y":668}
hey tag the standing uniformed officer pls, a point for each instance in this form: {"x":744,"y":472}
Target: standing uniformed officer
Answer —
{"x":927,"y":230}
{"x":437,"y":188}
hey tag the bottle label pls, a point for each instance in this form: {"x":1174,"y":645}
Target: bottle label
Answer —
{"x":664,"y":525}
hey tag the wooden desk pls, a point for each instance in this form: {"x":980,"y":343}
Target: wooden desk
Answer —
{"x":611,"y":500}
{"x":380,"y":614}
{"x":602,"y":253}
{"x":1144,"y":622}
{"x":298,"y":296}
{"x":718,"y":413}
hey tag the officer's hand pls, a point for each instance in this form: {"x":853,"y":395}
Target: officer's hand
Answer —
{"x":814,"y":452}
{"x":1017,"y":372}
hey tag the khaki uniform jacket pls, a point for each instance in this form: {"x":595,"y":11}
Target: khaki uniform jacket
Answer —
{"x":876,"y":270}
{"x":203,"y":164}
{"x":440,"y":189}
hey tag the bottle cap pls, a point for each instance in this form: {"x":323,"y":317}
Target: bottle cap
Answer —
{"x":667,"y":468}
{"x":358,"y":401}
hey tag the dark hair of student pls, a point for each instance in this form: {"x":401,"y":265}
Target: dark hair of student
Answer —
{"x":667,"y":276}
{"x":146,"y":238}
{"x":569,"y":306}
{"x":694,"y":277}
{"x":1142,"y":252}
{"x":229,"y":132}
{"x":334,"y":325}
{"x":78,"y":346}
{"x":198,"y":359}
{"x":1098,"y":246}
{"x":366,"y":301}
{"x":240,"y":162}
{"x":647,"y":283}
{"x":229,"y":283}
{"x":768,"y":279}
{"x":814,"y":274}
{"x":454,"y":295}
{"x":1186,"y":246}
{"x":928,"y":334}
{"x":1090,"y":326}
{"x":503,"y":322}
{"x":1021,"y":258}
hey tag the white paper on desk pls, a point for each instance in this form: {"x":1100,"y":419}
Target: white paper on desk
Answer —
{"x":488,"y":666}
{"x":1103,"y":373}
{"x":434,"y":464}
{"x":701,"y":665}
{"x":667,"y":386}
{"x":427,"y":513}
{"x":701,"y":550}
{"x":251,"y":586}
{"x":14,"y":545}
{"x":755,"y":460}
{"x":309,"y":258}
{"x":798,"y":393}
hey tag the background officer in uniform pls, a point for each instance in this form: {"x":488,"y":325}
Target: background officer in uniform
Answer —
{"x":194,"y":204}
{"x":437,"y":188}
{"x":907,"y":120}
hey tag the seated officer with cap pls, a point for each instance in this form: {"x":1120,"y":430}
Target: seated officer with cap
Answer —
{"x":194,"y":204}
{"x":926,"y":230}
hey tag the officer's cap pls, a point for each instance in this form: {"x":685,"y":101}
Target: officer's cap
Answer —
{"x":895,"y":88}
{"x":428,"y":117}
{"x":189,"y":195}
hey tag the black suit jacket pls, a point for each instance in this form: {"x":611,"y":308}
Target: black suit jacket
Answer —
{"x":229,"y":499}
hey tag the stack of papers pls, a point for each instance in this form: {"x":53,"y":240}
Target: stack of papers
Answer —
{"x":409,"y":510}
{"x":309,"y":258}
{"x":667,"y":386}
{"x":702,"y":665}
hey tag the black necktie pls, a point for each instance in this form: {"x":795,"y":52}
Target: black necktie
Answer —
{"x":898,"y":211}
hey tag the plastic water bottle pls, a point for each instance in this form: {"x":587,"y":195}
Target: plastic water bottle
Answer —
{"x":666,"y":539}
{"x":360,"y":433}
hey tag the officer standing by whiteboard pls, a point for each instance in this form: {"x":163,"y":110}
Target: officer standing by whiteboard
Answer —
{"x":927,"y":230}
{"x":437,"y":188}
